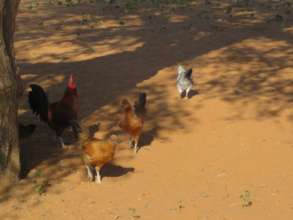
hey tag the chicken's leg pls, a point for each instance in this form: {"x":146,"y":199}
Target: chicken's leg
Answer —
{"x":135,"y":144}
{"x":61,"y":142}
{"x":187,"y":93}
{"x":89,"y":172}
{"x":130,"y":142}
{"x":180,"y":90}
{"x":98,"y":176}
{"x":135,"y":147}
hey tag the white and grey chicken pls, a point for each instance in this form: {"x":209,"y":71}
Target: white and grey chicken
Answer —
{"x":184,"y":81}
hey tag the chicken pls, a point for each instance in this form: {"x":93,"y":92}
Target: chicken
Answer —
{"x":24,"y":131}
{"x":132,"y":121}
{"x":96,"y":153}
{"x":184,"y":81}
{"x":58,"y":115}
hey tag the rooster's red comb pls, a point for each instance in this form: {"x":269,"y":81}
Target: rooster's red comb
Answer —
{"x":71,"y":82}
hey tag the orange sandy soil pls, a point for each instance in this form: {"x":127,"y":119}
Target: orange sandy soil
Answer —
{"x":225,"y":154}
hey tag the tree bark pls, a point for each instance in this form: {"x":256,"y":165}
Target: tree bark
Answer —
{"x":10,"y":89}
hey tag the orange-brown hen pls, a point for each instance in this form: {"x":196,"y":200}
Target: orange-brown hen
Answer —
{"x":132,"y":120}
{"x":96,"y":153}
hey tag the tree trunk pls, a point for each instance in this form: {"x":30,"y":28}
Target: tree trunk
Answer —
{"x":10,"y":89}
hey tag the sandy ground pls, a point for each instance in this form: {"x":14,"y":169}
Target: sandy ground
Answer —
{"x":224,"y":154}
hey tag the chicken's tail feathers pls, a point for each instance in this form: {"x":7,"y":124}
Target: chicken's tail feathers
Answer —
{"x":140,"y":104}
{"x":183,"y":72}
{"x":188,"y":73}
{"x":38,"y":102}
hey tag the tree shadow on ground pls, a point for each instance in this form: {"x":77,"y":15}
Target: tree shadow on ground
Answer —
{"x":255,"y":73}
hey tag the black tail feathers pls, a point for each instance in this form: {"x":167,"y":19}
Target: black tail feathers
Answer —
{"x":38,"y":102}
{"x":140,"y":104}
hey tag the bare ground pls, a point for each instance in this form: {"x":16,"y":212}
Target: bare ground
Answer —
{"x":224,"y":154}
